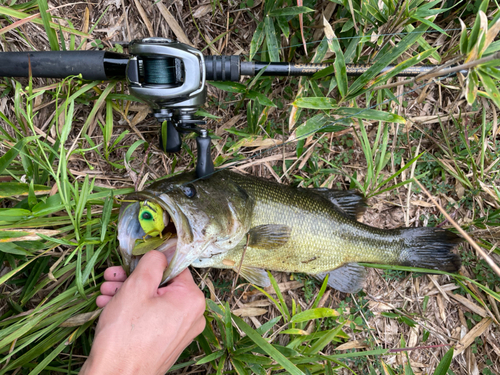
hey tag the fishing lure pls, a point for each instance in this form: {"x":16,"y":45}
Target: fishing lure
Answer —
{"x":152,"y":219}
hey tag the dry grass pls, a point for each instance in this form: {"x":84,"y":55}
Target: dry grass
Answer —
{"x":448,"y":319}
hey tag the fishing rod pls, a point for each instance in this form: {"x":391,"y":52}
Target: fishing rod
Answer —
{"x":170,"y":77}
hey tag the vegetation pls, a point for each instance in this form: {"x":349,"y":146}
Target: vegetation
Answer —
{"x":69,"y":149}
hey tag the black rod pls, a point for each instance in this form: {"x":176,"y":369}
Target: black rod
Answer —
{"x":92,"y":65}
{"x":103,"y":65}
{"x":294,"y":69}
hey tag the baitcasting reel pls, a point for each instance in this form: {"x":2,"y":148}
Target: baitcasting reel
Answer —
{"x":171,"y":76}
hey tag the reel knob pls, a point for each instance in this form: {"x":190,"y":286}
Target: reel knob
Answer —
{"x":204,"y":164}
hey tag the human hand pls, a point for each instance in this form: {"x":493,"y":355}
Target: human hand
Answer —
{"x":143,"y":329}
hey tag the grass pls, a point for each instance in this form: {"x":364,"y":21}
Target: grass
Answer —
{"x":69,"y":149}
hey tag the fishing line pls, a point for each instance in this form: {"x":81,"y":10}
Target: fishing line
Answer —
{"x":366,"y":36}
{"x":238,"y":162}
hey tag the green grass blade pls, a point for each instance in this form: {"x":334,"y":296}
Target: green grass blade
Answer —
{"x":320,"y":293}
{"x":228,"y":325}
{"x":46,"y":19}
{"x":282,"y":305}
{"x":9,"y":156}
{"x":267,"y":347}
{"x":290,"y":11}
{"x":273,"y":47}
{"x":315,"y":103}
{"x":211,"y":357}
{"x":444,"y":364}
{"x":257,"y":39}
{"x":339,"y":64}
{"x":404,"y":65}
{"x":387,"y":56}
{"x":106,"y":215}
{"x":369,"y":114}
{"x":311,"y":314}
{"x":325,"y":340}
{"x":490,"y":86}
{"x":8,"y":11}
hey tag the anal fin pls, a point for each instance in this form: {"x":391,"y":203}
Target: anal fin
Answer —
{"x":269,"y":236}
{"x":256,"y":276}
{"x":348,"y":279}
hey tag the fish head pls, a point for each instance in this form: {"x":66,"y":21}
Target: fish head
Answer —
{"x":203,"y":217}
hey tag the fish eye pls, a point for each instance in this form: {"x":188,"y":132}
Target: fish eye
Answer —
{"x":146,"y":216}
{"x":188,"y":190}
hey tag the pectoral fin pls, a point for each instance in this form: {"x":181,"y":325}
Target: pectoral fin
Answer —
{"x":269,"y":236}
{"x":256,"y":276}
{"x":348,"y":278}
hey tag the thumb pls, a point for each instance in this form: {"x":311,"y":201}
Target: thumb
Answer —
{"x":150,"y":269}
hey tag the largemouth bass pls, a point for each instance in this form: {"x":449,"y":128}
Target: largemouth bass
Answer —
{"x":243,"y":222}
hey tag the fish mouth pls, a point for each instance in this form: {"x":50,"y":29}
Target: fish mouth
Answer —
{"x":179,"y":246}
{"x":167,"y":248}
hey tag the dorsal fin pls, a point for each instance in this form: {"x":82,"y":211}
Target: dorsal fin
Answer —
{"x":350,"y":202}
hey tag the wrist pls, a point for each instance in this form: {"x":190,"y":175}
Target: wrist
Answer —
{"x":100,"y":365}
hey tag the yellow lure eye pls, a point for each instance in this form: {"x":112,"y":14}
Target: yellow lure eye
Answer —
{"x":151,"y":218}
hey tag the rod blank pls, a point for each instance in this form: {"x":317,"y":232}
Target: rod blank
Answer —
{"x":92,"y":65}
{"x":103,"y":65}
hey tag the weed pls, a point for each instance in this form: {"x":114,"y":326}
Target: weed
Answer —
{"x":55,"y":277}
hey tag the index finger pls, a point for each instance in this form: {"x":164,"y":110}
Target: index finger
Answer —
{"x":116,"y":273}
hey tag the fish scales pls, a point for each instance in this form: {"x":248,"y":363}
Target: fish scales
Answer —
{"x":322,"y":237}
{"x":287,"y":229}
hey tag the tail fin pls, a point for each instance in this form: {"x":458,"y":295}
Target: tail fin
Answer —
{"x":430,"y":248}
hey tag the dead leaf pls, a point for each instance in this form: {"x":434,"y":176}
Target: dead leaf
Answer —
{"x":174,"y":25}
{"x":301,"y":25}
{"x":422,"y":203}
{"x":459,"y":189}
{"x":202,"y":10}
{"x":258,"y":303}
{"x":438,"y":287}
{"x":144,"y":17}
{"x":140,"y":116}
{"x":469,"y":338}
{"x":249,"y":311}
{"x":259,"y":142}
{"x":221,"y":129}
{"x":211,"y":288}
{"x":470,"y":305}
{"x":81,"y":319}
{"x":31,"y":236}
{"x":355,"y":344}
{"x":378,"y":307}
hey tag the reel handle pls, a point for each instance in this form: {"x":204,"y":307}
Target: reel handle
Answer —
{"x":204,"y":164}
